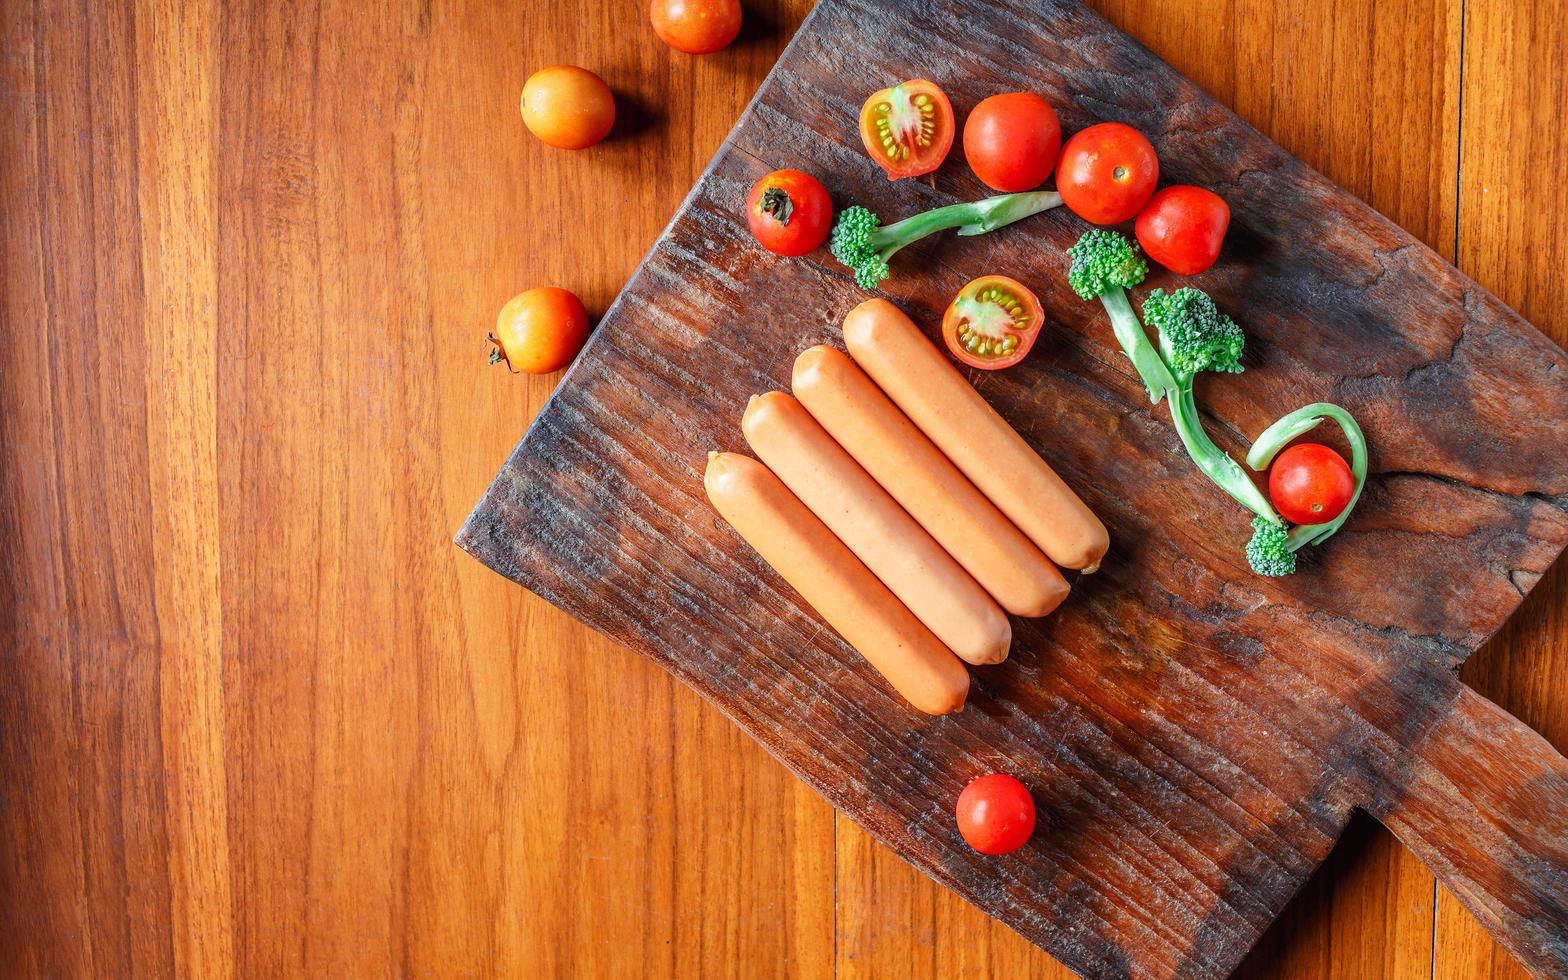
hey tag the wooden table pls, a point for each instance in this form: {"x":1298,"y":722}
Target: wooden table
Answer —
{"x":258,"y":717}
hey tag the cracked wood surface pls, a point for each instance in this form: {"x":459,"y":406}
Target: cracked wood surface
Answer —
{"x":1196,"y":736}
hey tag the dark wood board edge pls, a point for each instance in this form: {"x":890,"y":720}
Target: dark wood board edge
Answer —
{"x":470,"y":537}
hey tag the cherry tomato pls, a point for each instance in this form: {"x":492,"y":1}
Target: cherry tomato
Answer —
{"x":695,"y":26}
{"x":789,"y":212}
{"x":992,"y":322}
{"x":540,"y":330}
{"x":1182,"y":228}
{"x":995,"y":814}
{"x":1107,"y":173}
{"x":568,"y":107}
{"x":1011,"y":141}
{"x":1310,"y":484}
{"x":908,"y":128}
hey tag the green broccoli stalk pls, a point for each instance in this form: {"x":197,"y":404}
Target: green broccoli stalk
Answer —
{"x":1297,"y":423}
{"x":1195,"y":336}
{"x":863,"y":243}
{"x":1105,"y":265}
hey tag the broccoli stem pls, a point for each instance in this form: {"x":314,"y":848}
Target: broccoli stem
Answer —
{"x":970,"y":218}
{"x":1004,"y":209}
{"x":1135,"y":342}
{"x":1299,"y":422}
{"x":1215,"y":463}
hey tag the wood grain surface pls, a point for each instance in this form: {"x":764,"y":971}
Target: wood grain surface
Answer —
{"x":257,"y":717}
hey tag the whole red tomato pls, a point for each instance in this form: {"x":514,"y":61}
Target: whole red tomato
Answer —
{"x":1182,"y":228}
{"x":1310,"y":484}
{"x":1107,"y":173}
{"x":695,"y":26}
{"x":789,"y":212}
{"x":1011,"y":141}
{"x":995,"y":814}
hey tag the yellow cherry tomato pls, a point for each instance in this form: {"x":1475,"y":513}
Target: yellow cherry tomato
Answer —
{"x":695,"y":26}
{"x":540,"y":330}
{"x":568,"y":107}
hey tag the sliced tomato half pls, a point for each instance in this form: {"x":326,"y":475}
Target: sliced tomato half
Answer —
{"x":992,"y":322}
{"x":908,"y":128}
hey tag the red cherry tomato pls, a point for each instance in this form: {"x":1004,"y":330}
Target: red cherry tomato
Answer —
{"x":908,"y":128}
{"x":995,"y":814}
{"x":1107,"y":173}
{"x":1310,"y":484}
{"x":992,"y":322}
{"x":695,"y":26}
{"x":1182,"y":228}
{"x":789,"y":212}
{"x":1011,"y":141}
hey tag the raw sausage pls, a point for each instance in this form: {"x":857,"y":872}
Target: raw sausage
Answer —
{"x":946,"y":407}
{"x":885,"y":538}
{"x":872,"y":429}
{"x":834,"y":583}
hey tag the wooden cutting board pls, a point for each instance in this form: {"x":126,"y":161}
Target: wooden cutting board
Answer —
{"x":1195,"y":736}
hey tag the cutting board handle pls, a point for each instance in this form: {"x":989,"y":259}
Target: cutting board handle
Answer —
{"x":1486,"y":809}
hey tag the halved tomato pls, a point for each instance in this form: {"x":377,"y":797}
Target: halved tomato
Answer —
{"x":992,"y":322}
{"x":908,"y":128}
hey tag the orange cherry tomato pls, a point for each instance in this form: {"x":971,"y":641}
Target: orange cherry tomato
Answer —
{"x":540,"y":330}
{"x":1107,"y":173}
{"x":908,"y":128}
{"x":1310,"y":484}
{"x":992,"y":322}
{"x":568,"y":107}
{"x":1011,"y":141}
{"x":996,"y":814}
{"x":1183,"y":227}
{"x":695,"y":26}
{"x":789,"y":212}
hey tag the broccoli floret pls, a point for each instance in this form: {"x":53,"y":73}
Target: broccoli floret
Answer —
{"x":865,"y":245}
{"x":1104,"y":261}
{"x":1104,"y":265}
{"x":1269,"y":551}
{"x":1194,"y":335}
{"x":850,"y":243}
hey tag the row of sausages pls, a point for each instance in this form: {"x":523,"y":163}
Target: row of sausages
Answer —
{"x":902,"y":507}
